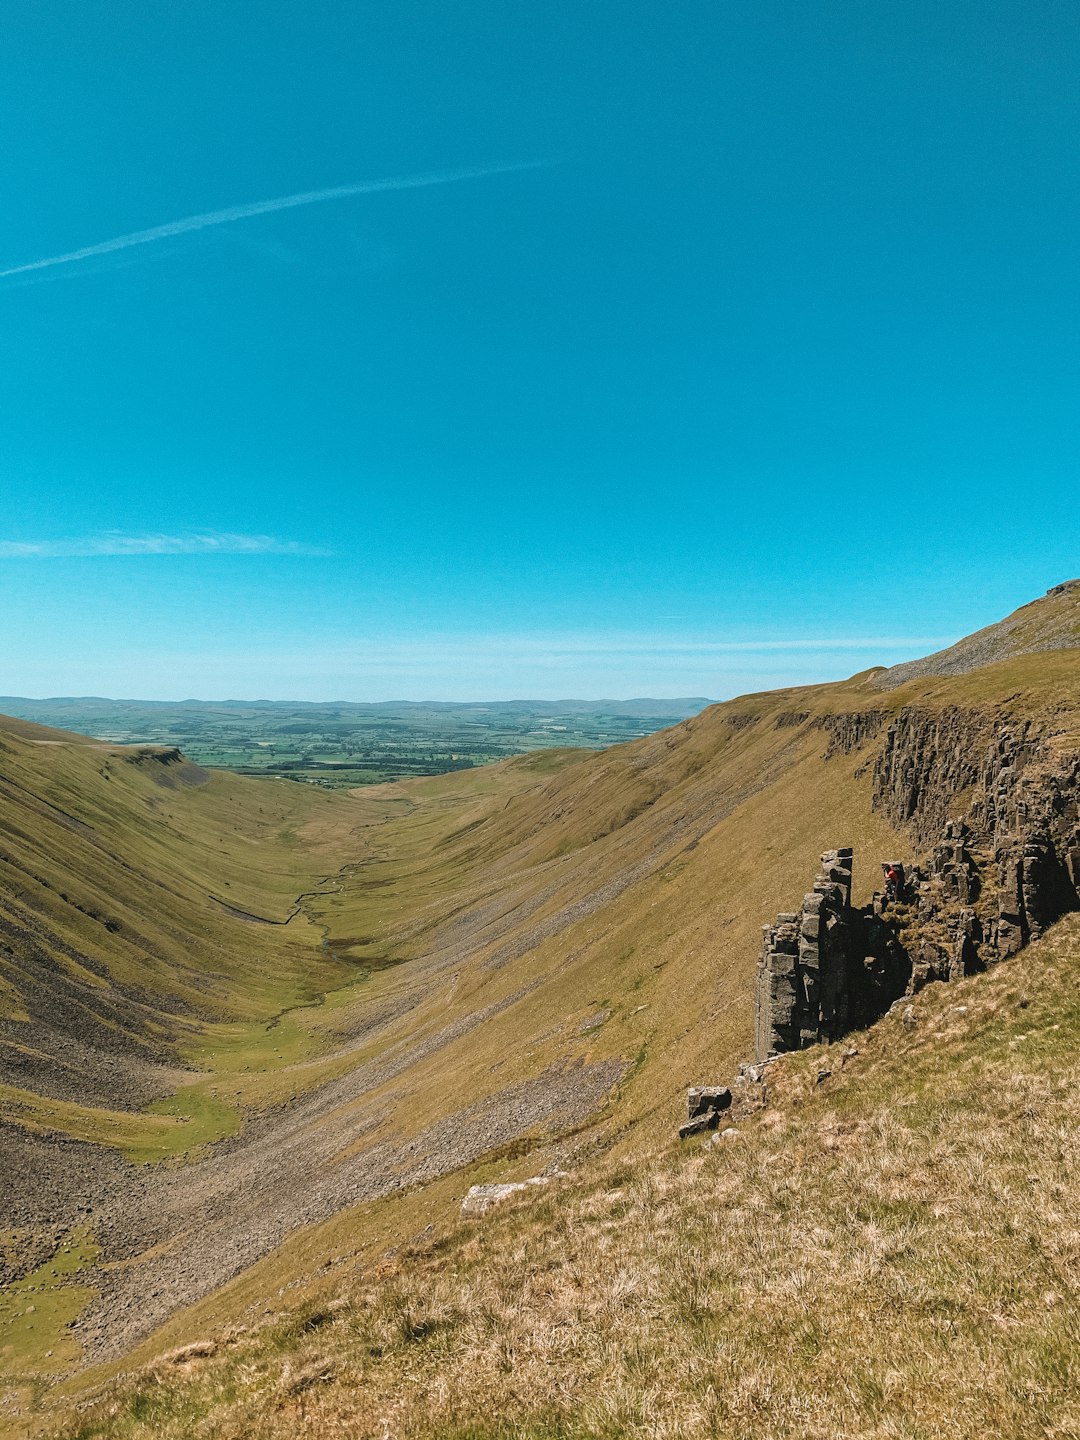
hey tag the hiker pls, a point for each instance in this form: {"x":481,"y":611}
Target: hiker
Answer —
{"x":892,"y":882}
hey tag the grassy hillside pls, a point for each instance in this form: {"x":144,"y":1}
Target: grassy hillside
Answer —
{"x":150,"y":944}
{"x":502,"y":972}
{"x":1049,"y":623}
{"x":145,"y":903}
{"x":892,"y":1250}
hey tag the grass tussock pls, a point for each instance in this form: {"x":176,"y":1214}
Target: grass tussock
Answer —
{"x":893,"y":1252}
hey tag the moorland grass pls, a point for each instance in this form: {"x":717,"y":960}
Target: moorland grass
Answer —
{"x":404,"y":872}
{"x":894,"y":1253}
{"x":36,"y":1311}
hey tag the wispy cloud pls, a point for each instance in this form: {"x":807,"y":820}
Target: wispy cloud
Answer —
{"x":206,"y":542}
{"x":675,"y":645}
{"x":267,"y":207}
{"x":494,"y":665}
{"x":221,"y":664}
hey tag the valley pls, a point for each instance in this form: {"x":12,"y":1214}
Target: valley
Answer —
{"x":258,"y":1040}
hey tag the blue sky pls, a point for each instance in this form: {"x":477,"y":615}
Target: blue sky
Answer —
{"x":691,"y":348}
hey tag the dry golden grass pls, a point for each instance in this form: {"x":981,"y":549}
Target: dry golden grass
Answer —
{"x":535,"y":894}
{"x":892,"y":1253}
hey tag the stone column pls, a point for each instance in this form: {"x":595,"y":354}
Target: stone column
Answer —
{"x":779,"y":1003}
{"x":801,"y":993}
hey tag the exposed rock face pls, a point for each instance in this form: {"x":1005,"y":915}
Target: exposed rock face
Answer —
{"x":1013,"y":859}
{"x":827,"y":968}
{"x":847,"y":732}
{"x":929,"y":758}
{"x":802,"y":975}
{"x":997,"y":806}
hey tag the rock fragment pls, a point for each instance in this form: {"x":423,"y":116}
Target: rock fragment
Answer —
{"x":480,"y":1198}
{"x":704,"y":1106}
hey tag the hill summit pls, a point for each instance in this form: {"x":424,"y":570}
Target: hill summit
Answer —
{"x":1051,"y":623}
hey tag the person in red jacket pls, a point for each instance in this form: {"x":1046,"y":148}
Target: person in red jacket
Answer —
{"x":892,"y":882}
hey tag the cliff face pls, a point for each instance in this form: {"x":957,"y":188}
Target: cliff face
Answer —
{"x":993,"y":805}
{"x":1001,"y":799}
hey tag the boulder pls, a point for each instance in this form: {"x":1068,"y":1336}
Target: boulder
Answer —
{"x":702,"y":1098}
{"x":699,"y":1124}
{"x":480,"y":1198}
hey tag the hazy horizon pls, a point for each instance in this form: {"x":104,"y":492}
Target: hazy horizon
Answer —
{"x":428,"y":700}
{"x":734,"y":668}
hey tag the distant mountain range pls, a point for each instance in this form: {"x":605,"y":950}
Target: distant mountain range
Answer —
{"x":678,"y":709}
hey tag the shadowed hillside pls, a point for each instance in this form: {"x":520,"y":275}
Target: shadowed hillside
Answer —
{"x":523,"y":967}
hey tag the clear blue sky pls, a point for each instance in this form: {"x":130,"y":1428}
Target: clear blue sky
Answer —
{"x":766,"y":372}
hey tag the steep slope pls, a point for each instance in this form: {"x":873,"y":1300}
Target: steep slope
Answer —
{"x":543,"y":954}
{"x":131,"y":960}
{"x":129,"y":885}
{"x":1052,"y":623}
{"x":890,"y":1248}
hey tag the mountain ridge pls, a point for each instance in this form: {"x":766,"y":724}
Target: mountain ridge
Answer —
{"x":1056,"y":617}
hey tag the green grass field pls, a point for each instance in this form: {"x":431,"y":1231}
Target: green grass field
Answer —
{"x":343,"y":745}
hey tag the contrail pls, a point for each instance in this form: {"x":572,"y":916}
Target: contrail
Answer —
{"x":117,"y":542}
{"x":266,"y":207}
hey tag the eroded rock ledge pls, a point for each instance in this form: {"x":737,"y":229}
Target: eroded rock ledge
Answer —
{"x":997,"y":807}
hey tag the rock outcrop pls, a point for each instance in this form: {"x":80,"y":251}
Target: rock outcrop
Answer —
{"x":704,"y":1106}
{"x":827,"y":967}
{"x":995,"y":876}
{"x":1008,"y":864}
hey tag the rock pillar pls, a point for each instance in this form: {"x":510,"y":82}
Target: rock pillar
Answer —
{"x":803,"y":991}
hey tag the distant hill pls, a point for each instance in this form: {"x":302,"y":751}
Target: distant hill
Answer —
{"x":678,"y":709}
{"x":1052,"y":623}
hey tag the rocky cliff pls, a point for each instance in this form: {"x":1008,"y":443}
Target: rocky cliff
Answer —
{"x":993,"y":806}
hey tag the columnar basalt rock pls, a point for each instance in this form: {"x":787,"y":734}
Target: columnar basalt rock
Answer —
{"x":776,"y":1008}
{"x":995,"y":880}
{"x":804,"y":978}
{"x":997,"y":874}
{"x":1013,"y":857}
{"x":704,"y":1106}
{"x":954,"y":865}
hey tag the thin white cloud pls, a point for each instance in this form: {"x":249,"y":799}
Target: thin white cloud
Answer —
{"x":489,"y":664}
{"x":439,"y":651}
{"x":442,"y":666}
{"x":207,"y":542}
{"x":649,"y":644}
{"x":267,"y":207}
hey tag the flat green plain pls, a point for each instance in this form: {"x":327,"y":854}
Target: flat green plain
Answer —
{"x":340,"y":745}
